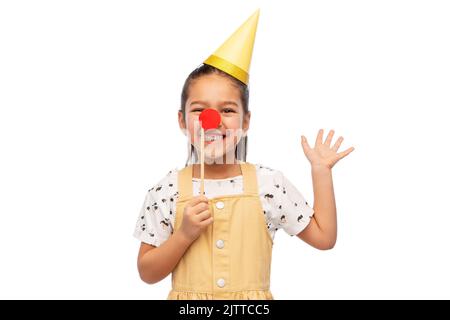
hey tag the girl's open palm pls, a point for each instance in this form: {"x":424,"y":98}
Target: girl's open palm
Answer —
{"x":323,"y":154}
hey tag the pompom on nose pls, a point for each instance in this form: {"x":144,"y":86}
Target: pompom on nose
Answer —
{"x":210,"y":119}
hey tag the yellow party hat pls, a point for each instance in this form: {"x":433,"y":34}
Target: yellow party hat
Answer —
{"x":234,"y":56}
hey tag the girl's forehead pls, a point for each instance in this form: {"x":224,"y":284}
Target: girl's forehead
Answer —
{"x":213,"y":88}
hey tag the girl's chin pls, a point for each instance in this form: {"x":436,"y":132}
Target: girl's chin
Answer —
{"x":219,"y":160}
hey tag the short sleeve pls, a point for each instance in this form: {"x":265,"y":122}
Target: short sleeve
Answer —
{"x":293,"y":212}
{"x":153,"y":226}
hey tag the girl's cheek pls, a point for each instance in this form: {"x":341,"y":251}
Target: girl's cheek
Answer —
{"x":190,"y":123}
{"x":232,"y":122}
{"x":191,"y":127}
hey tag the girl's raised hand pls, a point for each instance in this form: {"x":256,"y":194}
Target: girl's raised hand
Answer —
{"x":323,"y":154}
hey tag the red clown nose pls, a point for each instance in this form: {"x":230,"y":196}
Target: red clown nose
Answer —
{"x":210,"y":119}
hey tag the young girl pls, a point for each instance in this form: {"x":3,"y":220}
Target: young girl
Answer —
{"x":218,"y":245}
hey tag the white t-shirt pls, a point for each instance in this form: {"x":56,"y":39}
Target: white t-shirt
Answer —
{"x":283,"y":205}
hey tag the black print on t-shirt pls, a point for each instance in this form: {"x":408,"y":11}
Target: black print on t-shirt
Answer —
{"x":165,"y":225}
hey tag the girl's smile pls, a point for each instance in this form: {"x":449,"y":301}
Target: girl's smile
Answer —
{"x":214,"y":135}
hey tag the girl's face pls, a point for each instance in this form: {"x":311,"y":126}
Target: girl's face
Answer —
{"x":217,"y":92}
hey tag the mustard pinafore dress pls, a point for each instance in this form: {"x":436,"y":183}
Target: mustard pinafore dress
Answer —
{"x":231,"y":259}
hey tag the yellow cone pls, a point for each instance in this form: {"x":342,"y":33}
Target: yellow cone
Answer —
{"x":235,"y":55}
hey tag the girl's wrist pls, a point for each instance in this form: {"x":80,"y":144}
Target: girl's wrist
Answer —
{"x":320,"y":168}
{"x":183,"y":238}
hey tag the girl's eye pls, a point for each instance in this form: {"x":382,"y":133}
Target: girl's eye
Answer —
{"x":228,"y":110}
{"x":197,"y":110}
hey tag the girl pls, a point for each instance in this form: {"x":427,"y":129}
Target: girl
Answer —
{"x":218,"y":245}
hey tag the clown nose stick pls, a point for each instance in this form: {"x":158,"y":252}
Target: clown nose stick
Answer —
{"x":210,"y":119}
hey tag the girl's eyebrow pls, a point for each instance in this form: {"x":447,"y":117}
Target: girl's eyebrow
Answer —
{"x":222,"y":103}
{"x":198,"y":102}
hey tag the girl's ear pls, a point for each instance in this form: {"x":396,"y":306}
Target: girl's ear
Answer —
{"x":182,"y":122}
{"x":246,"y":122}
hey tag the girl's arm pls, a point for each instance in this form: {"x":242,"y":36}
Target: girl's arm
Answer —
{"x":321,"y":232}
{"x":155,"y":263}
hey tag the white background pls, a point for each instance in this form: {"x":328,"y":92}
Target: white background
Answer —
{"x":89,"y":93}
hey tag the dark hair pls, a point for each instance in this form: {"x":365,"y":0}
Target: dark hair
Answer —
{"x":204,"y":70}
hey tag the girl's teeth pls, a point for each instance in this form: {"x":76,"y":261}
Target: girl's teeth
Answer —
{"x":212,"y":138}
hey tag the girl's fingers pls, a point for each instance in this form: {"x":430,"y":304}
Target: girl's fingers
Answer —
{"x":305,"y":144}
{"x":196,"y":200}
{"x":345,"y":153}
{"x":203,"y":215}
{"x":206,"y":222}
{"x":319,"y":138}
{"x":337,"y":144}
{"x":329,"y":137}
{"x":200,"y":207}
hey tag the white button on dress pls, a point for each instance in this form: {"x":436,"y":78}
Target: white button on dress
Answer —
{"x":221,"y":283}
{"x":220,"y":205}
{"x":220,"y":244}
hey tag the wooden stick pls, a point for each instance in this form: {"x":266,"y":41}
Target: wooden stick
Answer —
{"x":202,"y":161}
